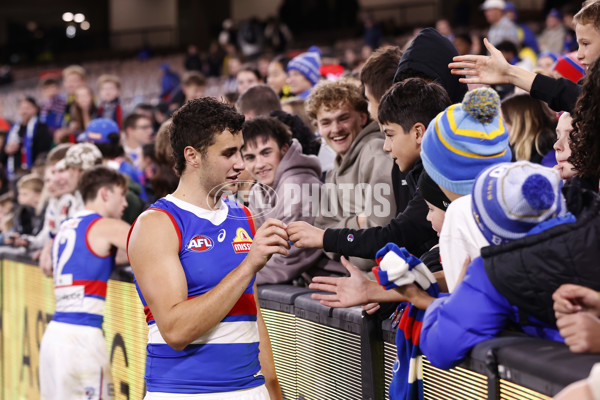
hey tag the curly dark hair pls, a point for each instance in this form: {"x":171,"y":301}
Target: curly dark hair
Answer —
{"x":585,"y":138}
{"x":197,"y":123}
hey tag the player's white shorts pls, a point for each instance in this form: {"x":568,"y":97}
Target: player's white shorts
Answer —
{"x":257,"y":393}
{"x":74,"y":363}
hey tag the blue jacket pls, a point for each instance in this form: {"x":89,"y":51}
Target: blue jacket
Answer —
{"x":475,"y":312}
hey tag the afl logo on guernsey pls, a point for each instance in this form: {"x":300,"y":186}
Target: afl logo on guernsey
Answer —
{"x":200,"y":243}
{"x":242,"y":241}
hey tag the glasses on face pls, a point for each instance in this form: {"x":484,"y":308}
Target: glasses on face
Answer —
{"x":144,"y":127}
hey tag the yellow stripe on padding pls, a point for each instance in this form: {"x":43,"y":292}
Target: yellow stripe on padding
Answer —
{"x":476,"y":134}
{"x":457,"y":151}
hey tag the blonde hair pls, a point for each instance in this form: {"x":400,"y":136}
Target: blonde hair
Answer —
{"x":74,"y":69}
{"x":332,"y":95}
{"x":589,"y":14}
{"x":104,"y":78}
{"x":57,"y":153}
{"x":296,"y":105}
{"x":530,"y":120}
{"x":32,"y":182}
{"x":6,"y":198}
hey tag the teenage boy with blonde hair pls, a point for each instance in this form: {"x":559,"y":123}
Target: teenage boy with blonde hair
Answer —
{"x":340,"y":112}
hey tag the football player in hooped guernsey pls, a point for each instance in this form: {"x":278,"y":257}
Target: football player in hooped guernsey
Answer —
{"x":194,"y":255}
{"x":74,"y":363}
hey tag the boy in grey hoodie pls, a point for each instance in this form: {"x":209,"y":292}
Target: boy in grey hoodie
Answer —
{"x":287,"y":188}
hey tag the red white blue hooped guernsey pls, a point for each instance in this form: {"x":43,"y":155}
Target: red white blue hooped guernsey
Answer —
{"x":212,"y":244}
{"x":80,"y":275}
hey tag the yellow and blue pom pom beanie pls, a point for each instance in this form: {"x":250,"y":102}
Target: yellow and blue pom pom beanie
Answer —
{"x":465,"y":139}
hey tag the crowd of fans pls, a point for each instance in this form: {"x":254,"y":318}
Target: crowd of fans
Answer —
{"x":389,"y":146}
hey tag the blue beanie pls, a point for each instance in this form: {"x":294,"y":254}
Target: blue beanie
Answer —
{"x":509,"y":199}
{"x":308,"y":64}
{"x":549,"y":54}
{"x":98,"y":130}
{"x":464,"y":139}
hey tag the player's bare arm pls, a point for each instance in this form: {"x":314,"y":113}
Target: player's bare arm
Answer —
{"x":107,"y":234}
{"x":154,"y":256}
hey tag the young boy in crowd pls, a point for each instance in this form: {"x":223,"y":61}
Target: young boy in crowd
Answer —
{"x":109,"y":90}
{"x":138,"y":131}
{"x":29,"y":192}
{"x":375,"y":75}
{"x":260,"y":99}
{"x":340,"y":112}
{"x":303,"y":72}
{"x":52,"y":107}
{"x":285,"y":178}
{"x":193,"y":86}
{"x":26,"y":221}
{"x":247,"y":77}
{"x":509,"y":202}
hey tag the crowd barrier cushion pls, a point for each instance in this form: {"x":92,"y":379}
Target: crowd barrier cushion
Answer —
{"x":541,"y":365}
{"x":277,"y":307}
{"x":320,"y":352}
{"x":329,"y":351}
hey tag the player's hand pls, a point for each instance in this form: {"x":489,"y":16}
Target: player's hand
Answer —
{"x":569,"y":299}
{"x":490,"y":70}
{"x":304,"y":235}
{"x":346,"y":291}
{"x":271,"y":238}
{"x":581,"y":332}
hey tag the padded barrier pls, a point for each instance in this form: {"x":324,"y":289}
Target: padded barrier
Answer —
{"x":320,"y":352}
